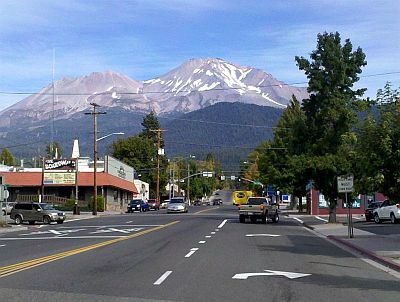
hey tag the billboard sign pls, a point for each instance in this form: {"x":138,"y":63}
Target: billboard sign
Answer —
{"x":59,"y":164}
{"x":119,"y":169}
{"x":59,"y":178}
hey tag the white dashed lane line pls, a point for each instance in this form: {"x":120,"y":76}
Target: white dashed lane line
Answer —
{"x":162,"y":278}
{"x":212,"y":233}
{"x":192,"y":251}
{"x":2,"y":245}
{"x":202,"y":242}
{"x":322,"y":219}
{"x":222,"y":223}
{"x":297,"y":219}
{"x":208,"y":236}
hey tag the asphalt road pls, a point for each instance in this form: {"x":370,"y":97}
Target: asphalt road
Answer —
{"x":200,"y":256}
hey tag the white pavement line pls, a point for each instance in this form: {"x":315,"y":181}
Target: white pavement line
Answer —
{"x":262,"y":235}
{"x":297,"y":219}
{"x":217,"y":230}
{"x":116,"y":230}
{"x":322,"y":219}
{"x":111,"y":226}
{"x":55,"y":232}
{"x":222,"y":223}
{"x":2,"y":245}
{"x":202,"y":241}
{"x":192,"y":251}
{"x":57,"y":237}
{"x":212,"y":233}
{"x":208,"y":236}
{"x":162,"y":278}
{"x":129,"y":221}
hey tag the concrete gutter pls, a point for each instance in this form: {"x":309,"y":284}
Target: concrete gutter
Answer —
{"x":382,"y":260}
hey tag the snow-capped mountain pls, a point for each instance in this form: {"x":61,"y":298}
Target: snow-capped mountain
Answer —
{"x":198,"y":83}
{"x":193,"y":85}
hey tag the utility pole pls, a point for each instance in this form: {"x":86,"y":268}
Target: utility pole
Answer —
{"x":94,"y":113}
{"x":159,"y":152}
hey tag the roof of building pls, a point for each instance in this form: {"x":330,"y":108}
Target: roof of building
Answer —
{"x":34,"y":179}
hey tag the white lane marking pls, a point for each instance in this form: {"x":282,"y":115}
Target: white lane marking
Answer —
{"x":58,"y":237}
{"x":212,"y":233}
{"x":217,"y":230}
{"x":202,"y":241}
{"x":192,"y":251}
{"x":112,"y":230}
{"x":222,"y":223}
{"x":297,"y":219}
{"x":262,"y":235}
{"x":2,"y":245}
{"x":121,"y":231}
{"x":162,"y":278}
{"x":208,"y":236}
{"x":55,"y":232}
{"x":322,"y":219}
{"x":129,"y":221}
{"x":289,"y":275}
{"x":111,"y":226}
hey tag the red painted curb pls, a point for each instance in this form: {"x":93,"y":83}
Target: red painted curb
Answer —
{"x":370,"y":254}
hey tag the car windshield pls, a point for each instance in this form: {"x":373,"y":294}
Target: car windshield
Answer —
{"x":136,"y":201}
{"x":47,"y":207}
{"x":177,"y":200}
{"x":255,"y":201}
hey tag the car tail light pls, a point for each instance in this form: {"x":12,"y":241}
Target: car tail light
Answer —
{"x":262,"y":207}
{"x":238,"y":206}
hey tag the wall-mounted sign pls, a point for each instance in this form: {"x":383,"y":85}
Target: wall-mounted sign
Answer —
{"x":119,"y":169}
{"x":59,"y":178}
{"x":59,"y":164}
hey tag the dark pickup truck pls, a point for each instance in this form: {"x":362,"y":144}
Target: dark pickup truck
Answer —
{"x":258,"y":208}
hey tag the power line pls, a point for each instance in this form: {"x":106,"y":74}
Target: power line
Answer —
{"x":181,"y":91}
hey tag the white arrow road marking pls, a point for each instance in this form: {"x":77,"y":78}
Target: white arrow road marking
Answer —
{"x":192,"y":251}
{"x":112,"y":230}
{"x":117,"y":230}
{"x":55,"y":232}
{"x":63,"y":232}
{"x":262,"y":235}
{"x":162,"y":278}
{"x":290,"y":275}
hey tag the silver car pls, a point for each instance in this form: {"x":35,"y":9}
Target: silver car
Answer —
{"x":33,"y":212}
{"x":6,"y":207}
{"x":177,"y":205}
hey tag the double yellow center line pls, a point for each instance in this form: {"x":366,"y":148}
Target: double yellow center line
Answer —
{"x":21,"y":266}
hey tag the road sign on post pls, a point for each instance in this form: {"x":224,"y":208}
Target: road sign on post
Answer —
{"x":345,"y":185}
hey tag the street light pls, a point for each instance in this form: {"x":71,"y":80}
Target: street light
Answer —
{"x":108,"y":135}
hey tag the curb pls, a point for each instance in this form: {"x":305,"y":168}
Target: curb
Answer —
{"x":368,"y":253}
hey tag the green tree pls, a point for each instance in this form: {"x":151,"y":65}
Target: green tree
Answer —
{"x":53,"y":149}
{"x":150,"y":122}
{"x":330,"y":110}
{"x":6,"y":157}
{"x":378,"y":147}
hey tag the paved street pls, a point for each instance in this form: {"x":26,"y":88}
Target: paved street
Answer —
{"x":205,"y":255}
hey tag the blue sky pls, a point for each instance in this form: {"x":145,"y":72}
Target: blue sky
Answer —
{"x":144,"y":39}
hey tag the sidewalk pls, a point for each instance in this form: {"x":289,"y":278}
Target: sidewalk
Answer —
{"x":384,"y":249}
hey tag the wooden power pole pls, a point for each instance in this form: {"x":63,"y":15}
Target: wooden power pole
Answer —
{"x":159,"y":152}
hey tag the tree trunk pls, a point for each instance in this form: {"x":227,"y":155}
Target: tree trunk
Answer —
{"x":332,"y":214}
{"x":300,"y":204}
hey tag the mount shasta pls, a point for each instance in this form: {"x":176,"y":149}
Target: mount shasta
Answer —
{"x":194,"y":85}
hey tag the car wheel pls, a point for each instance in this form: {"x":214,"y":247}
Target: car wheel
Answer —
{"x":377,"y":219}
{"x":264,"y":219}
{"x":31,"y":222}
{"x":242,"y":219}
{"x":18,"y":219}
{"x":393,"y":218}
{"x":46,"y":220}
{"x":275,"y":219}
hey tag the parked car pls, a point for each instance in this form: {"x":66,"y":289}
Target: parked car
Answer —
{"x":217,"y":202}
{"x":177,"y":204}
{"x":369,"y":211}
{"x":33,"y":212}
{"x":6,"y":207}
{"x":164,"y":204}
{"x":138,"y":205}
{"x":154,"y":204}
{"x":389,"y":210}
{"x":197,"y":202}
